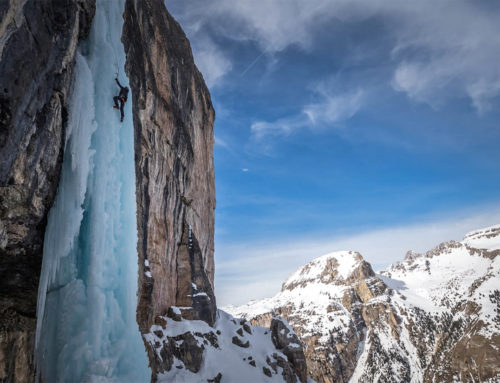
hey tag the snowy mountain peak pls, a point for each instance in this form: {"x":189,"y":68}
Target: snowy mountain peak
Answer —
{"x":463,"y":255}
{"x":450,"y":275}
{"x":487,"y":238}
{"x":338,"y":268}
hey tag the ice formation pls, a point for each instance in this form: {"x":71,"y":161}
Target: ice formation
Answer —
{"x":87,"y":331}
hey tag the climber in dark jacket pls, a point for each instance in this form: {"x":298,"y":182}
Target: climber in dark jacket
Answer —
{"x":121,"y":98}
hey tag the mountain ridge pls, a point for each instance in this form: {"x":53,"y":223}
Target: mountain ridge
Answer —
{"x":432,"y":316}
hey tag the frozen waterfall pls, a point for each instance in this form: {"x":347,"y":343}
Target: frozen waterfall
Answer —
{"x":87,"y":330}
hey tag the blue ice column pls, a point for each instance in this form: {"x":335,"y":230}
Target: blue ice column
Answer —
{"x":87,"y":330}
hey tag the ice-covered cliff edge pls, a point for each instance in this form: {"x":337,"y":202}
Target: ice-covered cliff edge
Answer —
{"x":87,"y":329}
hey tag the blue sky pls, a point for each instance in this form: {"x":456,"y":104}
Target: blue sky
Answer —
{"x":345,"y":123}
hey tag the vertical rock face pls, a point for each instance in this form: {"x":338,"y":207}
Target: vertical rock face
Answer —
{"x":173,"y":121}
{"x":38,"y":40}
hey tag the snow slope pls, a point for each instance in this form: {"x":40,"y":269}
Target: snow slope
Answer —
{"x":487,"y":238}
{"x":449,"y":274}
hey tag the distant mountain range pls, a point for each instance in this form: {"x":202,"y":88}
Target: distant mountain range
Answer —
{"x":433,"y":317}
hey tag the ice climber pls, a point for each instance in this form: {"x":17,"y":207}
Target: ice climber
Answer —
{"x":121,"y":98}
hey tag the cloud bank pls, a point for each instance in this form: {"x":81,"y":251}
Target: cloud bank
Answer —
{"x":440,"y":50}
{"x":255,"y":271}
{"x":330,"y":111}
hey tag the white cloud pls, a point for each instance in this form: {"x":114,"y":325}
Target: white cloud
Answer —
{"x":246,"y":271}
{"x":329,"y":112}
{"x":220,"y":142}
{"x":210,"y":60}
{"x":459,"y":47}
{"x":280,"y":127}
{"x":334,"y":108}
{"x":482,"y":92}
{"x":441,"y":50}
{"x":274,"y":25}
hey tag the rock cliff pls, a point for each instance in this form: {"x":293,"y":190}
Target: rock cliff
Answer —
{"x":173,"y":122}
{"x":38,"y":40}
{"x":432,"y":317}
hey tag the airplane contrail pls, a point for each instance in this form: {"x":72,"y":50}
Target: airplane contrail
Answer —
{"x":251,"y":64}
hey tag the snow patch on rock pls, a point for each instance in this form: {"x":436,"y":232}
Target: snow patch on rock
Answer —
{"x":216,"y":350}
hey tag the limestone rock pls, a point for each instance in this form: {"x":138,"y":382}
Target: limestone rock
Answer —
{"x":267,"y":371}
{"x":238,"y":342}
{"x":285,"y":339}
{"x":217,"y":379}
{"x":173,"y":123}
{"x":194,"y":290}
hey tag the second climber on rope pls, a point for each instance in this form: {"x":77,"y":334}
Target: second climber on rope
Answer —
{"x":121,"y":99}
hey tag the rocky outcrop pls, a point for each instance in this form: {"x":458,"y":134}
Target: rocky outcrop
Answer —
{"x":285,"y":340}
{"x":38,"y":40}
{"x":173,"y":122}
{"x":230,"y":351}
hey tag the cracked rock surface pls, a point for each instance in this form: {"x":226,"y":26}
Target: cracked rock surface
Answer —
{"x":173,"y":133}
